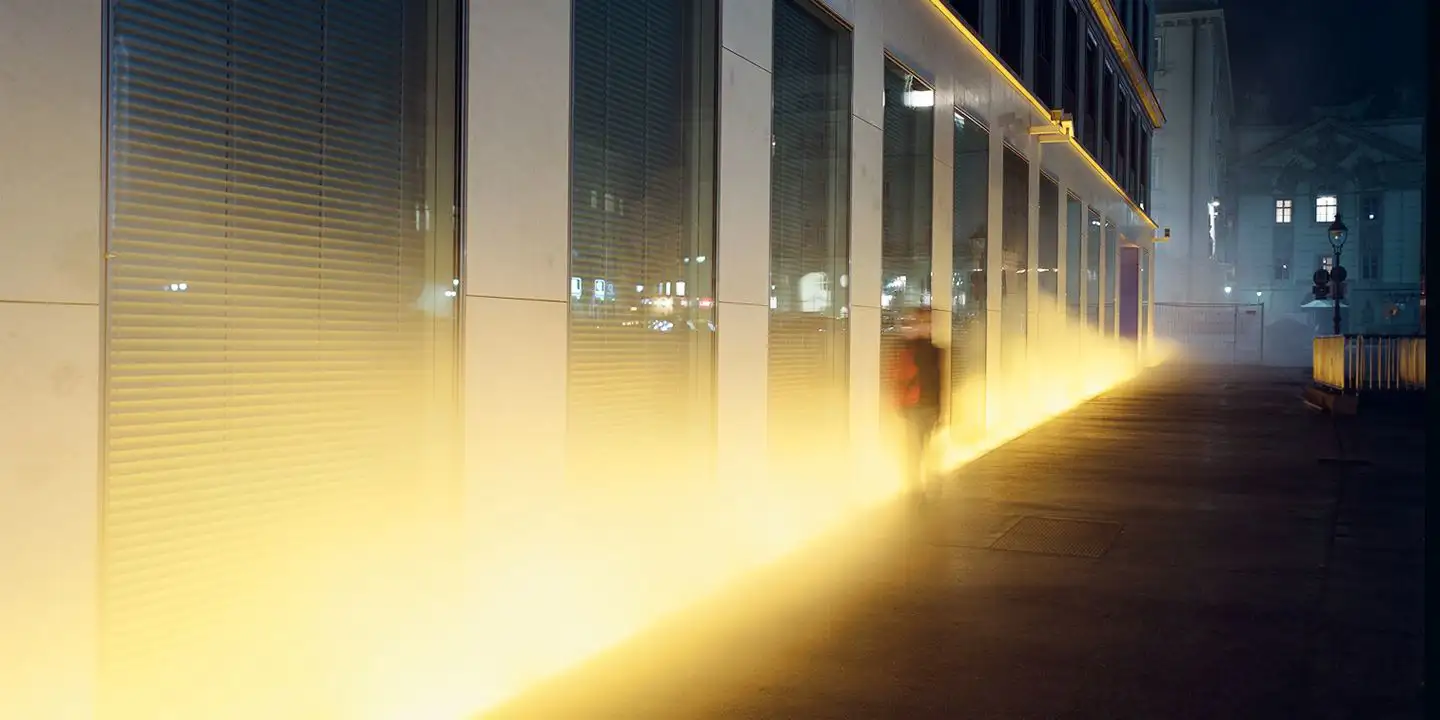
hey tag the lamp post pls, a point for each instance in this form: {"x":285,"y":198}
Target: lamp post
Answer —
{"x":1338,"y":232}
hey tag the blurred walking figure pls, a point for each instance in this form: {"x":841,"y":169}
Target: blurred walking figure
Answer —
{"x":916,"y":386}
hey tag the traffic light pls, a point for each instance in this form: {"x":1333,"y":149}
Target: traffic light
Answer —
{"x":1338,"y":276}
{"x":1322,"y":284}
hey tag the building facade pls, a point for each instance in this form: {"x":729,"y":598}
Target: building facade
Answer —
{"x":1192,"y":80}
{"x":500,"y":329}
{"x":1291,"y":182}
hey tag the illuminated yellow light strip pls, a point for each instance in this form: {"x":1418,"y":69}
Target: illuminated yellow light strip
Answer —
{"x":1040,"y":108}
{"x":1078,"y":148}
{"x":1105,"y":10}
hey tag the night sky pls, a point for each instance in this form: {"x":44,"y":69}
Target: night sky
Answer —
{"x":1307,"y":52}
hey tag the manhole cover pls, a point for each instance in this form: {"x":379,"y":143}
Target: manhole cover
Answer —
{"x":1057,"y":536}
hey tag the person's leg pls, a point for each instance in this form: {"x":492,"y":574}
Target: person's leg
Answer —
{"x":914,"y":450}
{"x":926,"y":471}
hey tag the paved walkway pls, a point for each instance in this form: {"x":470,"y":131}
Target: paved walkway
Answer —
{"x":1196,"y":544}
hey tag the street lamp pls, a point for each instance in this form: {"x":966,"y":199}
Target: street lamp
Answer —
{"x":1338,"y":232}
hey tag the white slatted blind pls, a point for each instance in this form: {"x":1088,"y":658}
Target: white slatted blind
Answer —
{"x":809,"y":231}
{"x":641,"y":295}
{"x":268,"y":361}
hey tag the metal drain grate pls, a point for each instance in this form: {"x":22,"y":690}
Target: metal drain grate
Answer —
{"x":1057,"y":536}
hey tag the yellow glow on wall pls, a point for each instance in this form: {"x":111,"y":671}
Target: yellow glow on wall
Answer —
{"x":538,"y":575}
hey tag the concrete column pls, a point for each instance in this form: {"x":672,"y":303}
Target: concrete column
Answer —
{"x":516,"y":268}
{"x":51,"y":354}
{"x":1083,"y":275}
{"x":1033,"y":340}
{"x":942,"y":226}
{"x":742,"y":240}
{"x":994,"y":260}
{"x":517,"y":258}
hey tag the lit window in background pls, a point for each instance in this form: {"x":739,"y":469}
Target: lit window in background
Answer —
{"x":1284,"y":211}
{"x":1326,"y":206}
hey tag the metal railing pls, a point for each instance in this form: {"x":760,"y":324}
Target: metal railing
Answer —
{"x":1370,"y":363}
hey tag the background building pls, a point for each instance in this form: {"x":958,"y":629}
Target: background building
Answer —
{"x":1363,"y":161}
{"x":346,"y":375}
{"x":1189,"y":193}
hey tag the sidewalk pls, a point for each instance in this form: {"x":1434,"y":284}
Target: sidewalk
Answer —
{"x":1196,"y":544}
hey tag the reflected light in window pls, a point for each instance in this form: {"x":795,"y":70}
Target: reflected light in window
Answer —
{"x":920,"y":98}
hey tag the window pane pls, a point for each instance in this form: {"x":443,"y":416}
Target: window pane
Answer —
{"x":641,"y":231}
{"x":967,"y":10}
{"x":968,"y":245}
{"x":1093,"y":254}
{"x":1110,"y":266}
{"x":1048,"y":264}
{"x":809,"y":231}
{"x":1074,"y":257}
{"x":906,"y":204}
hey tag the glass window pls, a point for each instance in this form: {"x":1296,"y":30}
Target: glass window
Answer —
{"x":907,"y":199}
{"x":642,"y":220}
{"x":1045,"y":53}
{"x":809,"y":231}
{"x":1110,"y":111}
{"x":1074,"y":257}
{"x":969,"y":11}
{"x":1070,"y":53}
{"x":1094,"y":266}
{"x":1091,"y":131}
{"x":1371,"y":252}
{"x":968,"y":246}
{"x":1284,"y":211}
{"x":1283,"y":244}
{"x":1370,"y":209}
{"x":279,"y":358}
{"x":1048,"y":264}
{"x":1326,"y":206}
{"x":1011,"y":26}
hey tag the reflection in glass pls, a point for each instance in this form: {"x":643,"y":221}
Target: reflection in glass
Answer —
{"x":1093,"y":268}
{"x":907,"y":198}
{"x":968,"y":245}
{"x":1074,"y":259}
{"x":1015,"y":257}
{"x":642,"y":214}
{"x":809,"y":230}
